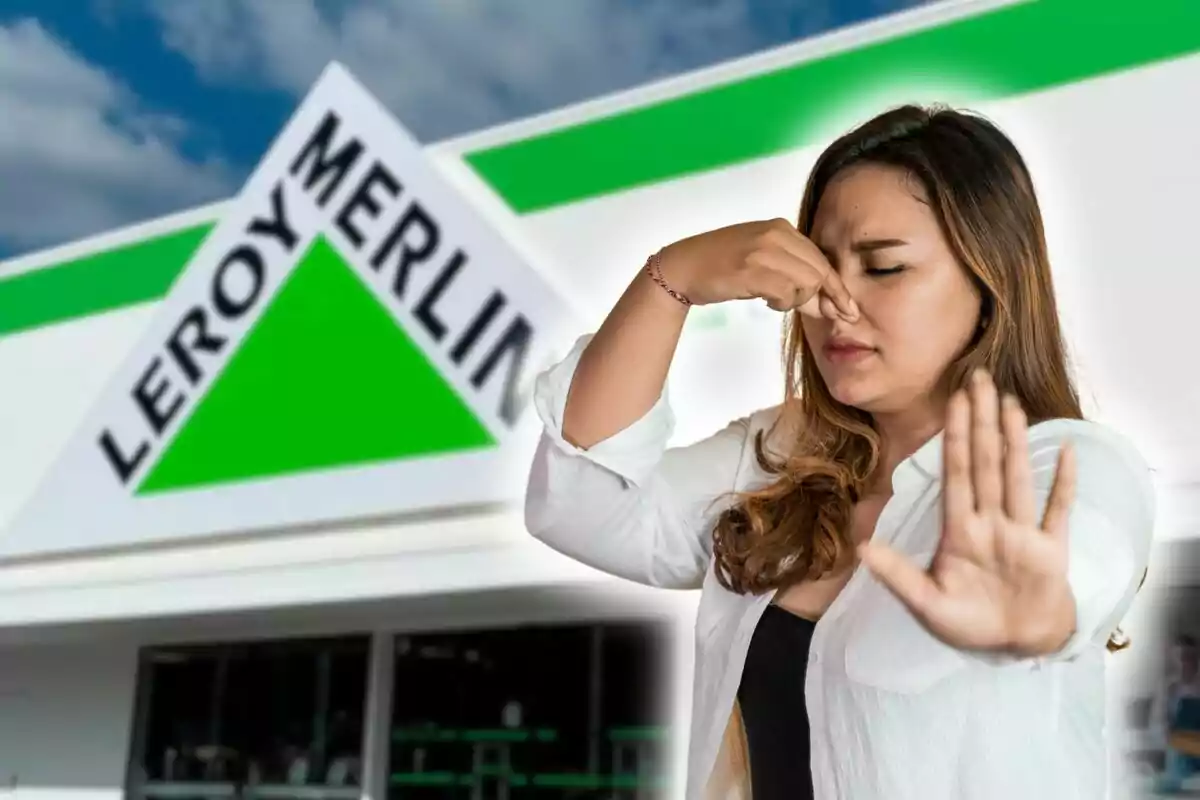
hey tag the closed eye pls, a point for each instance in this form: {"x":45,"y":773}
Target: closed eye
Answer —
{"x":887,"y":271}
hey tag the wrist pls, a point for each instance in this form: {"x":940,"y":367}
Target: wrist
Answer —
{"x":669,"y":280}
{"x":673,"y":269}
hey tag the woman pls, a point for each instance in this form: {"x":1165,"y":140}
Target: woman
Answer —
{"x":929,"y":431}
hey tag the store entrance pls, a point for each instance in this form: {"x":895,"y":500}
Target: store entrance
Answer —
{"x":573,"y":707}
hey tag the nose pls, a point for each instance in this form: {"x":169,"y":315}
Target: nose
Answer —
{"x":855,"y":280}
{"x":857,"y":289}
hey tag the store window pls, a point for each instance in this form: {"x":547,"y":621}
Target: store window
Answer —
{"x":551,"y":712}
{"x":279,"y":719}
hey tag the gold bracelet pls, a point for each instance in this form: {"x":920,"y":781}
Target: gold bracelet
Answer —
{"x":654,"y":270}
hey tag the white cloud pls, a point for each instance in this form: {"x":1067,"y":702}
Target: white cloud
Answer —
{"x":447,"y":66}
{"x":77,"y":153}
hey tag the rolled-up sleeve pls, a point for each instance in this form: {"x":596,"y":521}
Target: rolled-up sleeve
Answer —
{"x":629,"y":505}
{"x":1111,"y":524}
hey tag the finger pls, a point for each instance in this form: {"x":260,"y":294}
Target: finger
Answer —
{"x":986,"y":444}
{"x":912,"y":585}
{"x":835,"y":288}
{"x":1062,"y":493}
{"x":812,"y":307}
{"x":958,"y":497}
{"x":786,"y":282}
{"x":830,"y":282}
{"x":1018,"y":475}
{"x":774,"y":287}
{"x":829,"y":309}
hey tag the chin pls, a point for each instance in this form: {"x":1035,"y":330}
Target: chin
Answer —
{"x":857,"y":391}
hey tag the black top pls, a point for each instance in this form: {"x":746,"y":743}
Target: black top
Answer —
{"x":774,"y":715}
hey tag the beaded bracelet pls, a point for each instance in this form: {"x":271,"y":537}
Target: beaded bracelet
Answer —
{"x":655,"y":272}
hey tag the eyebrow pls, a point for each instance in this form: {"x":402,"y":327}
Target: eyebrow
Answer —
{"x":871,"y":245}
{"x":863,"y":246}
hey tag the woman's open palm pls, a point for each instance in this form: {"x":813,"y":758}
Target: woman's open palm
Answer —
{"x":998,"y":580}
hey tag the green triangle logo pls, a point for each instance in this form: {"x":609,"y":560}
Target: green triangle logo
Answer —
{"x":326,"y":378}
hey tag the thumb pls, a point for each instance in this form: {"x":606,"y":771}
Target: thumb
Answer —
{"x":912,"y":585}
{"x":814,"y":306}
{"x":820,"y":306}
{"x":828,"y":309}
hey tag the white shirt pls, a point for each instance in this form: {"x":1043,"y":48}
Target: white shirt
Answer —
{"x":895,"y":714}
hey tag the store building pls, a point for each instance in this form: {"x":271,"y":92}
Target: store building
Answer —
{"x":261,"y":462}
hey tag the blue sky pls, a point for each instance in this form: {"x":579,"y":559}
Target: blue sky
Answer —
{"x":116,"y":111}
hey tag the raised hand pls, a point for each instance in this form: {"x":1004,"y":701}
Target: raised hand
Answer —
{"x":767,"y":259}
{"x":998,"y":580}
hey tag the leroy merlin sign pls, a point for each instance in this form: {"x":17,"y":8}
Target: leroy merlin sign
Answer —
{"x":351,"y":339}
{"x":322,"y":289}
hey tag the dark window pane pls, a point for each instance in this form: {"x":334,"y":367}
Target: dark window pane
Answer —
{"x":267,"y":713}
{"x":545,"y":711}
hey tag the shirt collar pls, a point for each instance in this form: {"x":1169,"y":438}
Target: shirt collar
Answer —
{"x":921,"y":467}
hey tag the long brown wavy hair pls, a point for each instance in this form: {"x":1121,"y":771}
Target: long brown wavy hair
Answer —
{"x":797,"y":527}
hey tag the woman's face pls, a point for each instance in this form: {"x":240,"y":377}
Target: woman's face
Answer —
{"x":919,"y":307}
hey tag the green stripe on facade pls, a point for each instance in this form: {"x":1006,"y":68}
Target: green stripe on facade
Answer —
{"x":116,"y":278}
{"x":1009,"y":51}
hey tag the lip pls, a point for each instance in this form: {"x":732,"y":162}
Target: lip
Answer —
{"x":845,"y":349}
